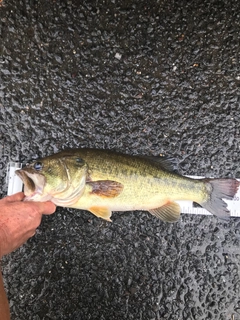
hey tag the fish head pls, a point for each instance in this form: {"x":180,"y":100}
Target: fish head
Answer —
{"x":58,"y":179}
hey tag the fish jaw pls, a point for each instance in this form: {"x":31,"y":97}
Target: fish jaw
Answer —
{"x":33,"y":185}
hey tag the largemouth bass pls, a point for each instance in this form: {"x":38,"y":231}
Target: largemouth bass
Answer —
{"x":103,"y":181}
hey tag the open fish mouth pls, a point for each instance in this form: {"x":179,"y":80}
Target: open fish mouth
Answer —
{"x":33,"y":182}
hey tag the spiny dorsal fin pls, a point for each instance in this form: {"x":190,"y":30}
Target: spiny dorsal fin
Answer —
{"x":169,"y":212}
{"x":165,"y":163}
{"x":106,"y":188}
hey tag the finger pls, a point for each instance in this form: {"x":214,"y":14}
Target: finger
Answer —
{"x":45,"y":207}
{"x":15,"y":197}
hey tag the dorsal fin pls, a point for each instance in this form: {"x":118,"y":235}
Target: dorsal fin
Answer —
{"x":165,"y":163}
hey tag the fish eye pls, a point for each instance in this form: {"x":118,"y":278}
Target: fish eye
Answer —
{"x":79,"y":160}
{"x":38,"y":166}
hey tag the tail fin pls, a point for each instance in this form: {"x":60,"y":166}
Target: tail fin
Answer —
{"x":220,"y":189}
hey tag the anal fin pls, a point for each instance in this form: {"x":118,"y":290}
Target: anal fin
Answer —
{"x":101,"y":212}
{"x":169,"y":212}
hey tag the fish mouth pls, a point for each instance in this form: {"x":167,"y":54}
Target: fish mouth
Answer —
{"x":33,"y":182}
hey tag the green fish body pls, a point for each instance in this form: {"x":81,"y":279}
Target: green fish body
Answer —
{"x":103,"y":181}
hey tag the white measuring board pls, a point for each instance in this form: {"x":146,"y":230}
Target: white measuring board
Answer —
{"x":14,"y":182}
{"x":15,"y":185}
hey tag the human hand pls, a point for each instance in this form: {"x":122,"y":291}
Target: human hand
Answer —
{"x":19,"y":220}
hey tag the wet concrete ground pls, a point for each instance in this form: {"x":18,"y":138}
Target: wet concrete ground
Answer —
{"x":142,"y":77}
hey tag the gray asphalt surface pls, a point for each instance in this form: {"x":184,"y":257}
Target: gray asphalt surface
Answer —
{"x":141,"y":77}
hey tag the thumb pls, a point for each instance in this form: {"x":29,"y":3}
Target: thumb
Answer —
{"x":45,"y":207}
{"x":15,"y":197}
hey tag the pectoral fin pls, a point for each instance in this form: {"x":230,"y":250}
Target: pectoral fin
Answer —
{"x":101,"y":212}
{"x":106,"y":188}
{"x":170,"y":212}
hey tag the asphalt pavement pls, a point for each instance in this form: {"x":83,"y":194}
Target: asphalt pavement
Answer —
{"x":140,"y":77}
